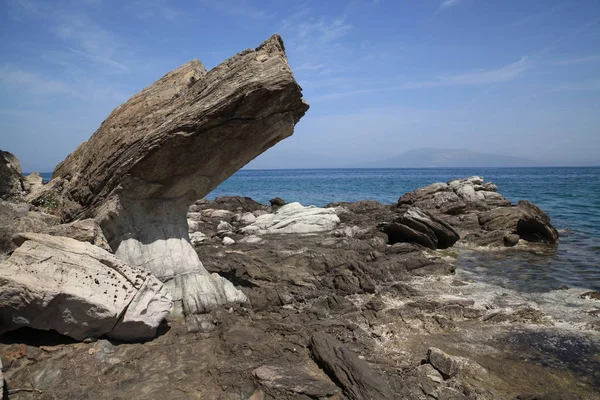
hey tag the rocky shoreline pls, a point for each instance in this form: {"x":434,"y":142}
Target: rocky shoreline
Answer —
{"x":334,"y":311}
{"x":116,"y":282}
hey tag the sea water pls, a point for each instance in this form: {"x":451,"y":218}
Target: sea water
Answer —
{"x":570,"y":196}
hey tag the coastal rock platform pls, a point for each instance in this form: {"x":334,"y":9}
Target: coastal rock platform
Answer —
{"x":337,"y":313}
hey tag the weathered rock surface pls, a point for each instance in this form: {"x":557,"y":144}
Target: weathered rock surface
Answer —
{"x":385,"y":304}
{"x":294,"y":218}
{"x":474,"y":211}
{"x":78,"y":290}
{"x":11,"y":178}
{"x":354,"y":375}
{"x":17,"y":217}
{"x":171,"y":144}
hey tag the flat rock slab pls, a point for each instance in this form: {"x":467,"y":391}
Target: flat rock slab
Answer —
{"x":354,"y":375}
{"x":78,"y":290}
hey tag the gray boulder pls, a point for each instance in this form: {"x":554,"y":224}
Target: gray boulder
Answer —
{"x":170,"y":145}
{"x":78,"y":290}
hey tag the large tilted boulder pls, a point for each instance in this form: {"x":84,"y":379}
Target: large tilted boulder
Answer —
{"x":11,"y":178}
{"x":78,"y":290}
{"x":170,"y":145}
{"x":474,"y":211}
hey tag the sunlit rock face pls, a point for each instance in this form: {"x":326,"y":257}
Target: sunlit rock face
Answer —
{"x":170,"y":145}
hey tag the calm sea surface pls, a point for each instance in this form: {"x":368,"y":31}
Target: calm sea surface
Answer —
{"x":571,"y":196}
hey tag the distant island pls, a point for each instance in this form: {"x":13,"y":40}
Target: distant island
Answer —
{"x":425,"y":157}
{"x":452,"y":158}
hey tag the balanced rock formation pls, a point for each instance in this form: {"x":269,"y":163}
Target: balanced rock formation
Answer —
{"x":473,"y":211}
{"x":11,"y":177}
{"x":171,"y":144}
{"x":78,"y":290}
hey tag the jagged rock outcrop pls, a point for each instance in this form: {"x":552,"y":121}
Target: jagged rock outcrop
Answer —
{"x":11,"y":176}
{"x":421,"y":227}
{"x":78,"y":290}
{"x":170,"y":145}
{"x":354,"y":375}
{"x":473,"y":210}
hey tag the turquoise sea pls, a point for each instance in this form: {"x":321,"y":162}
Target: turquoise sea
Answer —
{"x":570,"y":195}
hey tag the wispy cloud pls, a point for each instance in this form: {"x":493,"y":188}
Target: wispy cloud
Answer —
{"x":99,"y":60}
{"x":476,"y":78}
{"x":488,"y":78}
{"x":448,"y":3}
{"x":578,"y":60}
{"x":30,"y":81}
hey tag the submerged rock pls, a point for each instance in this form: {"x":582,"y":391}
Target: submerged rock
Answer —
{"x":78,"y":290}
{"x":170,"y":145}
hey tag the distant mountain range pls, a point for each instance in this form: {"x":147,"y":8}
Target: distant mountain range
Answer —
{"x":451,"y":158}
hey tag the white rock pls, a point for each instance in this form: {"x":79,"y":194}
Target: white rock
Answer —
{"x":227,"y":241}
{"x":78,"y":290}
{"x":247,"y":218}
{"x":224,"y":227}
{"x":1,"y":378}
{"x":258,"y":213}
{"x":197,"y":237}
{"x":294,"y":218}
{"x":193,"y":226}
{"x":221,"y":214}
{"x":251,"y":239}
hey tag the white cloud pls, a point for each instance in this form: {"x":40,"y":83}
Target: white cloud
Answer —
{"x":474,"y":78}
{"x":449,"y":3}
{"x":99,"y":60}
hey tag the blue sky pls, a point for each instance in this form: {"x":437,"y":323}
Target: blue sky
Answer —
{"x":515,"y":77}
